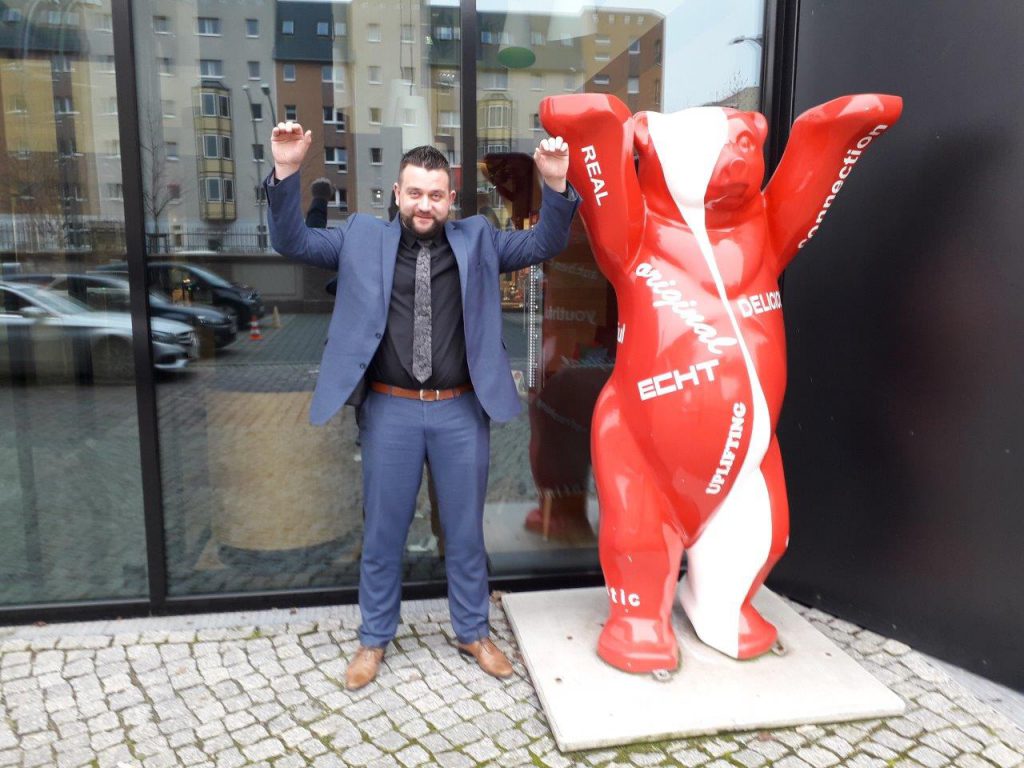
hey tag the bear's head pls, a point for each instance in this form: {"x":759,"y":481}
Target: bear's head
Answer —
{"x":706,"y":156}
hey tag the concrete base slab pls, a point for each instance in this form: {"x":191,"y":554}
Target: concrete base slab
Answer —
{"x":590,"y":704}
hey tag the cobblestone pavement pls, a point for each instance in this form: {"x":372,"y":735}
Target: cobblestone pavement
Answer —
{"x":262,"y":690}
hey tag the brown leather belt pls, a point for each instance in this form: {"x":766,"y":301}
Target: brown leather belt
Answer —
{"x":424,"y":395}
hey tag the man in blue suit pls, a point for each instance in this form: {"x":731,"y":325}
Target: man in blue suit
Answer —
{"x":415,"y":343}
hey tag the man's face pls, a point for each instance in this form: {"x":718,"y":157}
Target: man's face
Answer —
{"x":424,"y":199}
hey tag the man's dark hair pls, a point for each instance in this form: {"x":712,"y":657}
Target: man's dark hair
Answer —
{"x":426,"y":157}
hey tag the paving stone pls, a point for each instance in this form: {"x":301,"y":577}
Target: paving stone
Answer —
{"x":935,"y":742}
{"x":454,"y":760}
{"x":230,"y":758}
{"x":533,"y":727}
{"x":765,"y":744}
{"x":497,"y":700}
{"x":463,"y":733}
{"x":864,"y":761}
{"x":36,"y":757}
{"x":1002,"y":755}
{"x":791,"y":762}
{"x":413,"y":756}
{"x":555,"y":760}
{"x":971,"y":761}
{"x":817,"y":757}
{"x":482,"y":750}
{"x":928,"y":757}
{"x":160,"y":760}
{"x":790,"y":738}
{"x":190,"y":756}
{"x":101,"y":741}
{"x":749,"y":758}
{"x":836,"y":744}
{"x":512,"y":738}
{"x":250,"y":735}
{"x":414,"y":728}
{"x":880,"y":751}
{"x":392,"y":741}
{"x":905,"y":727}
{"x":118,"y":756}
{"x":718,"y":747}
{"x":428,"y":702}
{"x":264,"y":750}
{"x":435,"y":742}
{"x":361,"y":754}
{"x":644,"y":759}
{"x":516,"y":757}
{"x":892,"y":740}
{"x":376,"y":727}
{"x":442,"y":719}
{"x":690,"y":758}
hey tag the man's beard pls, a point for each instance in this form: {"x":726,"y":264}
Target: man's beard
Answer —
{"x":409,"y":223}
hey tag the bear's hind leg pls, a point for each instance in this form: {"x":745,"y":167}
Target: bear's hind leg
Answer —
{"x":640,"y":552}
{"x":731,"y":559}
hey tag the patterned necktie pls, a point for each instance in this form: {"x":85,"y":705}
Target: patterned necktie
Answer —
{"x":422,"y":349}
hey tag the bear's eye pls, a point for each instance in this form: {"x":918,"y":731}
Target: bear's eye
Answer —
{"x":745,"y":142}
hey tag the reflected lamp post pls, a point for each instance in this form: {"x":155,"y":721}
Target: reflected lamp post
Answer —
{"x":261,"y":232}
{"x":265,"y":87}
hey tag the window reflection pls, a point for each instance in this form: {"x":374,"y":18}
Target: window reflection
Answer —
{"x":253,"y":497}
{"x":71,"y":502}
{"x":560,"y":319}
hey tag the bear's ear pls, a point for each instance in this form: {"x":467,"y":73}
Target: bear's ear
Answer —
{"x":641,"y":134}
{"x":761,"y":126}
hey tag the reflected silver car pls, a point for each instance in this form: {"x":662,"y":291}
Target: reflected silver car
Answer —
{"x":50,"y":335}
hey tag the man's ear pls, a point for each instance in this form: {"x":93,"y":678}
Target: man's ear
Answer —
{"x":451,"y":197}
{"x":395,"y":189}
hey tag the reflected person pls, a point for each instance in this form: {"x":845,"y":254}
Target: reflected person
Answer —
{"x":415,"y":342}
{"x":322,"y":191}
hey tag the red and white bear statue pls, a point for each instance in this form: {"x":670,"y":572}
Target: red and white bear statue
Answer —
{"x":683,"y":439}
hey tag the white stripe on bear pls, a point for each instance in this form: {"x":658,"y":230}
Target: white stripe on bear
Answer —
{"x":725,"y":560}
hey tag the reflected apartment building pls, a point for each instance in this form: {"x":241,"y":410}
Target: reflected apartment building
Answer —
{"x":371,"y":80}
{"x":61,"y":179}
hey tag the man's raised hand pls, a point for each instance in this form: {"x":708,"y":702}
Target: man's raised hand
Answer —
{"x":289,"y":146}
{"x":552,"y":161}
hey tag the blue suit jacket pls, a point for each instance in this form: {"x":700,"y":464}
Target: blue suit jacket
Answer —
{"x":364,"y":250}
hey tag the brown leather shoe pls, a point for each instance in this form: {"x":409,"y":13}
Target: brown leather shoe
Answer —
{"x":364,"y":667}
{"x":488,"y":656}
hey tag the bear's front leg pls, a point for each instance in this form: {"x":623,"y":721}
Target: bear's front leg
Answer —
{"x":639,"y":548}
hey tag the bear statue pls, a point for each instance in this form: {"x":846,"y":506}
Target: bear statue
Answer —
{"x":683,"y":437}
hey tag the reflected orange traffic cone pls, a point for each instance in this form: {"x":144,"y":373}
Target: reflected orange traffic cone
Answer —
{"x":254,"y":329}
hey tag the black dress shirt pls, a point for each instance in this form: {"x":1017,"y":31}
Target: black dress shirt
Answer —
{"x":393,"y":362}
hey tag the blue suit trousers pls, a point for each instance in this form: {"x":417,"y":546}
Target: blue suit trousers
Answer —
{"x":396,"y":436}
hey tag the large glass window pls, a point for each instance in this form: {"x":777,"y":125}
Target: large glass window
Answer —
{"x":254,"y":498}
{"x":71,"y":515}
{"x":560,"y":319}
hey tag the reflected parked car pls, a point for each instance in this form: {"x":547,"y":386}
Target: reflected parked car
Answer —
{"x":110,"y":293}
{"x":55,"y":336}
{"x":187,"y":282}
